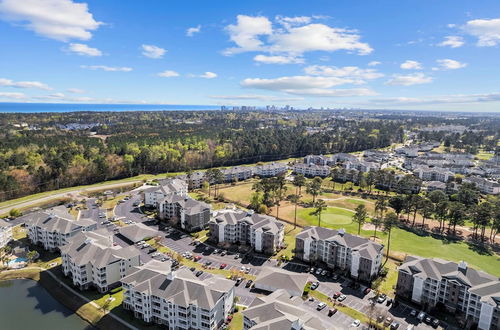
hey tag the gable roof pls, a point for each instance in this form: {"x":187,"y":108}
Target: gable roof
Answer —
{"x":279,"y":278}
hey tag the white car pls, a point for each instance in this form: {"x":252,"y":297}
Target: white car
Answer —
{"x":321,"y":305}
{"x":355,"y":323}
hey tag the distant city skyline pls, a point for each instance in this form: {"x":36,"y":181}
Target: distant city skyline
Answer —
{"x":342,"y":54}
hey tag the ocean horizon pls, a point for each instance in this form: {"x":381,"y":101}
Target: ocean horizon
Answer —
{"x":12,"y":107}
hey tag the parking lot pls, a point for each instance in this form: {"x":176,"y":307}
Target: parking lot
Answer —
{"x":340,"y":320}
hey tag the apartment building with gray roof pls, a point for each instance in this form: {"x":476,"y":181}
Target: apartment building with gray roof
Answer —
{"x":359,"y":256}
{"x":473,"y":295}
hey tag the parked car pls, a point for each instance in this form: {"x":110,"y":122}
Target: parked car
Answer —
{"x":249,"y":284}
{"x":335,"y":277}
{"x":413,"y":312}
{"x":311,"y":270}
{"x":321,"y":305}
{"x":435,"y":323}
{"x":428,"y":320}
{"x":342,"y":297}
{"x":314,"y":285}
{"x":216,"y":251}
{"x":318,"y":271}
{"x":380,"y":318}
{"x":421,"y":316}
{"x":323,"y":273}
{"x":236,"y":256}
{"x":381,"y":298}
{"x":336,"y":295}
{"x":198,"y":273}
{"x":332,"y":311}
{"x":192,"y":269}
{"x":367,"y":290}
{"x":223,"y":253}
{"x":238,"y":281}
{"x":394,"y":325}
{"x":388,"y":320}
{"x":389,"y":302}
{"x":355,"y":323}
{"x":222,"y":266}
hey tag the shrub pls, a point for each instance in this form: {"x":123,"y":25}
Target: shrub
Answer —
{"x":15,"y":213}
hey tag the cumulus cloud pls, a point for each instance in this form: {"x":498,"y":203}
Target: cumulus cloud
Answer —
{"x":296,"y":36}
{"x":452,"y":41}
{"x":411,"y":65}
{"x":208,"y":75}
{"x":355,"y":73}
{"x":457,"y":98}
{"x":448,"y":64}
{"x":256,"y":97}
{"x":84,"y":50}
{"x":408,"y":80}
{"x":307,"y":85}
{"x":168,"y":74}
{"x":277,"y":59}
{"x":106,"y":68}
{"x":486,"y":30}
{"x":56,"y":19}
{"x":192,"y":30}
{"x":153,"y":51}
{"x":75,"y":90}
{"x":12,"y":95}
{"x":23,"y":84}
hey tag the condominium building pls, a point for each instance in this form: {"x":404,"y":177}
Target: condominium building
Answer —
{"x":279,"y":310}
{"x":167,"y":187}
{"x":5,"y":233}
{"x":195,"y":180}
{"x":484,"y":185}
{"x":52,"y":231}
{"x":269,"y":170}
{"x":237,"y":173}
{"x":91,"y":259}
{"x":472,"y":294}
{"x":192,"y":215}
{"x":262,"y":232}
{"x":359,"y":256}
{"x":177,"y":299}
{"x":361,"y":165}
{"x":342,"y":157}
{"x":317,"y":160}
{"x":427,"y":173}
{"x":311,"y":170}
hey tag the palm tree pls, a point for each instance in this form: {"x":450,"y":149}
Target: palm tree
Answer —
{"x":314,"y":188}
{"x":376,"y":222}
{"x":31,"y":255}
{"x":295,"y":200}
{"x":279,"y":192}
{"x":218,"y":177}
{"x":380,"y":207}
{"x":360,"y":216}
{"x":390,"y":220}
{"x":320,"y":206}
{"x":299,"y":181}
{"x":209,"y":178}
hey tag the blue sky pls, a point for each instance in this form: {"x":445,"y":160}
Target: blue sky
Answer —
{"x":436,"y":55}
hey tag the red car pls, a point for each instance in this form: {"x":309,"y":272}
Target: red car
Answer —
{"x":196,"y":258}
{"x":336,"y":295}
{"x":368,"y":290}
{"x":222,"y":266}
{"x":332,"y":311}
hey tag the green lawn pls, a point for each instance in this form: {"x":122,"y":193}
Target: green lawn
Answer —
{"x":331,"y":217}
{"x":483,"y":155}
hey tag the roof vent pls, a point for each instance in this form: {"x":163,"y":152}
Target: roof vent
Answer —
{"x":341,"y":232}
{"x":462,"y":266}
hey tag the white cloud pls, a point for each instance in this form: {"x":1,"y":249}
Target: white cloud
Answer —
{"x":296,"y":37}
{"x":106,"y":68}
{"x":374,"y":63}
{"x":75,"y":90}
{"x":208,"y":75}
{"x":23,"y":84}
{"x":486,"y":30}
{"x":352,"y":72}
{"x":411,"y":65}
{"x":56,"y":19}
{"x":277,"y":59}
{"x":306,"y":85}
{"x":84,"y":50}
{"x":408,"y":80}
{"x":452,"y":41}
{"x":448,"y":64}
{"x":257,"y":97}
{"x":457,"y":98}
{"x":245,"y":34}
{"x":192,"y":30}
{"x":9,"y":95}
{"x":153,"y":51}
{"x":168,"y":74}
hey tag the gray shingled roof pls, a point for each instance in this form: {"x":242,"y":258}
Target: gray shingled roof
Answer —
{"x":482,"y":284}
{"x":53,"y":223}
{"x":366,"y":248}
{"x":279,"y":278}
{"x":96,"y":248}
{"x":137,"y":232}
{"x":259,"y":222}
{"x":280,"y":311}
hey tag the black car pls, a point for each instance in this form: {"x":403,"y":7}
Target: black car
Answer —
{"x":152,"y":250}
{"x":198,"y":273}
{"x":238,"y":281}
{"x":428,"y":320}
{"x":249,"y":284}
{"x":389,"y":302}
{"x":192,"y":269}
{"x":435,"y":323}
